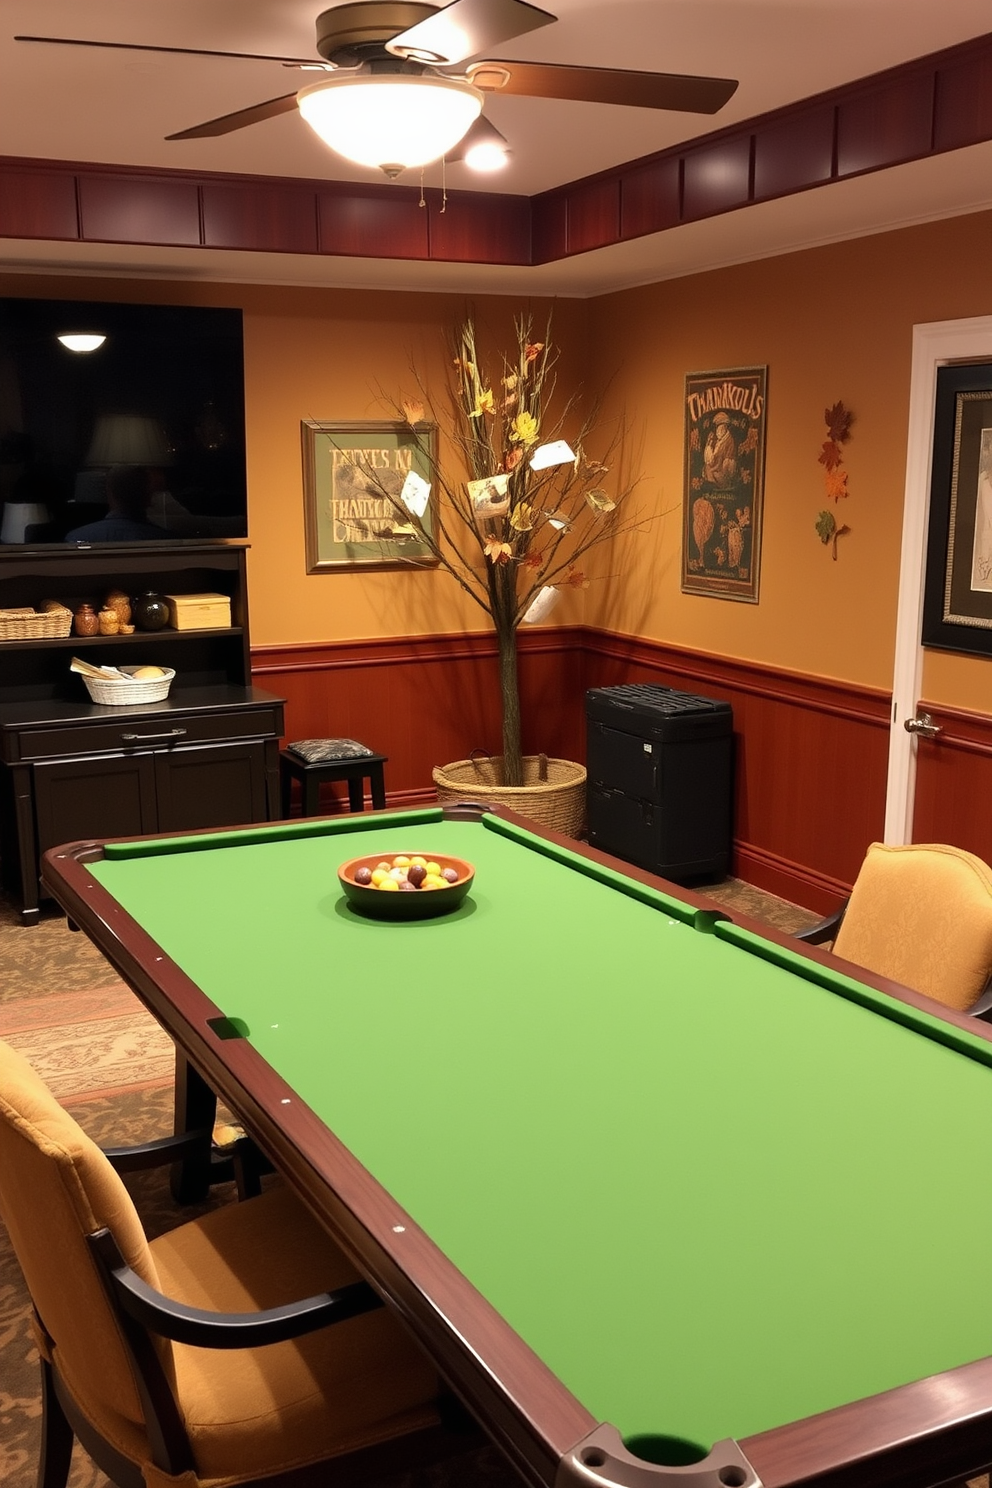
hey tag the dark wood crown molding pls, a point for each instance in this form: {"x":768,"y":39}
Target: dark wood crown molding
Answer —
{"x":925,"y":107}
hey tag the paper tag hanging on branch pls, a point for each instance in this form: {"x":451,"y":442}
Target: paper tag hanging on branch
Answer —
{"x":415,"y":494}
{"x":489,"y":497}
{"x":541,"y":605}
{"x":546,"y":455}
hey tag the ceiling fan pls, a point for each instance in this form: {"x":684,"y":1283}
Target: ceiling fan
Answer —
{"x":404,"y":85}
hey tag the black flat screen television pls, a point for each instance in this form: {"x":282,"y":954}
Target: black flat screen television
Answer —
{"x":141,"y":439}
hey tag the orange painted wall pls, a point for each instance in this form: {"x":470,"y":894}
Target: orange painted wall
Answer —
{"x":335,"y":355}
{"x":830,"y":323}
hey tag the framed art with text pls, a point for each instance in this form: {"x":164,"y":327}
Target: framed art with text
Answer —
{"x":957,"y":599}
{"x":724,"y":473}
{"x":361,"y":483}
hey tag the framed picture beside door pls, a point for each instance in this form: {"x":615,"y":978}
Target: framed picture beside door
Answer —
{"x":957,"y":602}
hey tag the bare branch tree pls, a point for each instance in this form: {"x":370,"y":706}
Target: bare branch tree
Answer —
{"x":534,"y":504}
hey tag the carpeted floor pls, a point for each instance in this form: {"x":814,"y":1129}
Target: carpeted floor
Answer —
{"x":111,"y":1066}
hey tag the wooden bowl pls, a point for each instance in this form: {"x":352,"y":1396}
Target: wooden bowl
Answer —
{"x":405,"y":904}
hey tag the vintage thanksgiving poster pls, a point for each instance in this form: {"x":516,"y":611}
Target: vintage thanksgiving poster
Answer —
{"x":724,"y":472}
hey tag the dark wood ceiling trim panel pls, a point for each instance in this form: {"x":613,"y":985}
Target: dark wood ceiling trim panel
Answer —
{"x":37,"y":204}
{"x":716,"y":178}
{"x":940,"y":102}
{"x":651,"y":198}
{"x":129,"y":209}
{"x":794,"y":154}
{"x":549,"y":227}
{"x":477,"y":227}
{"x":372,"y":226}
{"x":593,"y":217}
{"x":963,"y":106}
{"x":885,"y":125}
{"x":260,"y":217}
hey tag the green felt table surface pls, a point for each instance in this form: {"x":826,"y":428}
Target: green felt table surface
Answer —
{"x":713,"y":1194}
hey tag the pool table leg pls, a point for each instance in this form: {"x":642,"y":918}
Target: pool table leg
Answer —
{"x":196,"y":1110}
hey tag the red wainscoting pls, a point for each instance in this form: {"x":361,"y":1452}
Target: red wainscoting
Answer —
{"x":810,"y":752}
{"x":953,"y":774}
{"x":427,"y":700}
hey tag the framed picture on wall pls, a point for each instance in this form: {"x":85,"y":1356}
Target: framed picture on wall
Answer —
{"x":362,"y":485}
{"x":724,"y":468}
{"x":957,"y":603}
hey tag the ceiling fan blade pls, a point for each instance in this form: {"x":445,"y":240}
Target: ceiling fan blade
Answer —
{"x":481,"y":133}
{"x":228,"y":123}
{"x":657,"y":90}
{"x":133,"y":46}
{"x":466,"y":28}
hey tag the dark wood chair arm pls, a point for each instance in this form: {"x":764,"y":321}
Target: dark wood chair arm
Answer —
{"x":225,"y":1330}
{"x":823,"y":929}
{"x":155,"y":1154}
{"x":239,"y":1159}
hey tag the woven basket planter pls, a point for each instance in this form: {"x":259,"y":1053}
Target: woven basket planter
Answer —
{"x":557,"y":801}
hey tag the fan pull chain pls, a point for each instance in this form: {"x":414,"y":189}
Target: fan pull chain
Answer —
{"x":422,"y":201}
{"x":444,"y":186}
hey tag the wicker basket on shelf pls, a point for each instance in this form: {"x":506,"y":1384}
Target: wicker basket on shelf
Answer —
{"x":554,"y":792}
{"x":35,"y":625}
{"x":117,"y":694}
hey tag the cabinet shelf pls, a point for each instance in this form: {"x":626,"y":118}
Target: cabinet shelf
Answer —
{"x":166,"y":635}
{"x":67,"y":772}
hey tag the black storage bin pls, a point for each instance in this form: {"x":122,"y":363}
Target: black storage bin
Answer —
{"x":660,"y":771}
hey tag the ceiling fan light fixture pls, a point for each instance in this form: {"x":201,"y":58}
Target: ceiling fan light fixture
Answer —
{"x":388,"y":121}
{"x":488,"y":155}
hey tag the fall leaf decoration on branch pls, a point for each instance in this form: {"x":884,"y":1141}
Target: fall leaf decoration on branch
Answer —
{"x":518,"y":499}
{"x":838,"y":420}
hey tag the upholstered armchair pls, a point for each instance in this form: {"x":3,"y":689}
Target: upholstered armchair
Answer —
{"x":921,"y":915}
{"x":240,"y":1347}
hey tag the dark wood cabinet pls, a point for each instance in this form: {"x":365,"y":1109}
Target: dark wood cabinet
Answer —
{"x":205,"y":756}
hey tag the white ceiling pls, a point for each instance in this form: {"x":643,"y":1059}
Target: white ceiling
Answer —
{"x":86,"y":104}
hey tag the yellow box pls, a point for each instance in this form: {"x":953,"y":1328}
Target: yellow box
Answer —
{"x":199,"y":611}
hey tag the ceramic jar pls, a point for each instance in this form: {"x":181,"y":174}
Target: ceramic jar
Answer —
{"x":150,"y":611}
{"x":118,"y":600}
{"x":86,"y":622}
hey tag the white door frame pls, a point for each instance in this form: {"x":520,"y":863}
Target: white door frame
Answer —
{"x":934,"y":345}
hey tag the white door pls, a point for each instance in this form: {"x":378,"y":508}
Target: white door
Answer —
{"x":934,"y":345}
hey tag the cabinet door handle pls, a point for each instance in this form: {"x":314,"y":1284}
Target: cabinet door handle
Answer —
{"x":176,"y":733}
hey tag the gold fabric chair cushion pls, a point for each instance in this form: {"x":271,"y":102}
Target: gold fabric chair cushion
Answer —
{"x":248,"y":1412}
{"x":922,"y":915}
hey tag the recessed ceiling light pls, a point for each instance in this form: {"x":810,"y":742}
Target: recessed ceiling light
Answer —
{"x":82,"y":341}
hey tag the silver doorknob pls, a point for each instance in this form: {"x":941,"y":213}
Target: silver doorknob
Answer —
{"x":922,"y":724}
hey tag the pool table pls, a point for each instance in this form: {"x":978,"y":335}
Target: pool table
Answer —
{"x":669,"y":1199}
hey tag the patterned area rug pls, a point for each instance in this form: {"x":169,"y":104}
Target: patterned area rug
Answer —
{"x":109,"y":1040}
{"x":734,"y":894}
